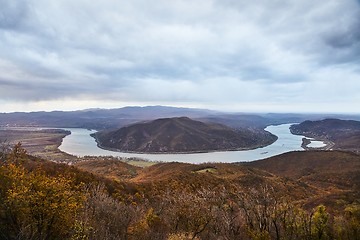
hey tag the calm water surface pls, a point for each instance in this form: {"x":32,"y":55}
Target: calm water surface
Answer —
{"x":80,"y":143}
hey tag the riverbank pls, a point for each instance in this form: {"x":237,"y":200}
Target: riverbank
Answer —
{"x":39,"y":142}
{"x":80,"y":143}
{"x":307,"y":142}
{"x":45,"y":143}
{"x":79,"y":146}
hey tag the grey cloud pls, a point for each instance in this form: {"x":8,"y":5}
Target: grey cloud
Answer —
{"x":342,"y":42}
{"x":12,"y":13}
{"x":346,"y":38}
{"x":132,"y":50}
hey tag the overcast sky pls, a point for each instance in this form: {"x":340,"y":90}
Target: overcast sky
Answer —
{"x":233,"y":55}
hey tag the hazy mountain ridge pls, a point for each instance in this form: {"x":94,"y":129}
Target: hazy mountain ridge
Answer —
{"x":115,"y":118}
{"x":181,"y":135}
{"x":97,"y":118}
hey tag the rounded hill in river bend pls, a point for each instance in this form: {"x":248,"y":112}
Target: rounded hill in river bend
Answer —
{"x":181,"y":135}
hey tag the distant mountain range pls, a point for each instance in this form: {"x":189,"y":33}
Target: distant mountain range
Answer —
{"x":181,"y":134}
{"x":100,"y":119}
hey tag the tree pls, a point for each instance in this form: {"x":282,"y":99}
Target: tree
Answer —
{"x":5,"y":148}
{"x":37,"y":206}
{"x":348,"y":225}
{"x":320,"y":223}
{"x":107,"y":218}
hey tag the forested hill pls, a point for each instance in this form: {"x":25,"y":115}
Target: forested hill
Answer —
{"x":345,"y":134}
{"x":181,"y":135}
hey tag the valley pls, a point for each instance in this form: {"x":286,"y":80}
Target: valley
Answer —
{"x":125,"y":197}
{"x":179,"y":120}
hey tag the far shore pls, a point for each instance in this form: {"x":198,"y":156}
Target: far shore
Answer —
{"x":307,"y":141}
{"x":187,"y":152}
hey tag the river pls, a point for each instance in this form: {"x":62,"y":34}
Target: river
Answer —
{"x":80,"y":143}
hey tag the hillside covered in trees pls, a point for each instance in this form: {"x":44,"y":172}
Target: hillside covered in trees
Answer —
{"x":45,"y":200}
{"x":181,"y":134}
{"x":344,"y":134}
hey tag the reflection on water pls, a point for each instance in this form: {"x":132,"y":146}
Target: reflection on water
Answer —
{"x":80,"y":143}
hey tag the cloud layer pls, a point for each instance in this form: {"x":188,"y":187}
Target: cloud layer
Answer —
{"x":239,"y":55}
